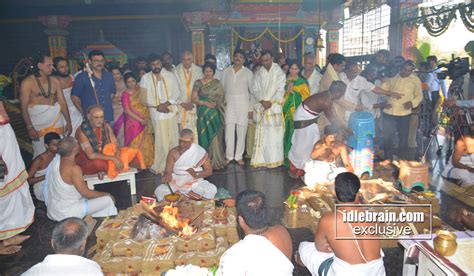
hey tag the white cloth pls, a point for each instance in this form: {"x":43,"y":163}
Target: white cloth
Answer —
{"x":161,"y":91}
{"x":464,"y":175}
{"x":237,"y":94}
{"x":74,"y":113}
{"x":15,"y":198}
{"x":303,"y":139}
{"x":354,"y":88}
{"x":182,"y":181}
{"x":368,"y":99}
{"x":312,"y":259}
{"x":434,"y":83}
{"x":317,"y":172}
{"x":268,"y":85}
{"x":254,"y":255}
{"x":62,"y":264}
{"x":38,"y":186}
{"x":63,"y":200}
{"x":313,"y":81}
{"x":186,"y":80}
{"x":45,"y":118}
{"x":235,"y":150}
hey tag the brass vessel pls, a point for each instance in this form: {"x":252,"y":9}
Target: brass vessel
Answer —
{"x":445,"y":243}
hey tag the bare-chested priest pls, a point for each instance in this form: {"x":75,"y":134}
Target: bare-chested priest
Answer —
{"x":186,"y":167}
{"x":306,"y":125}
{"x":67,"y":193}
{"x":328,"y":255}
{"x":42,"y":102}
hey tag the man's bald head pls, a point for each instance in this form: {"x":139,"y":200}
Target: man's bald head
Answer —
{"x":187,"y":59}
{"x":66,"y":146}
{"x":69,"y":236}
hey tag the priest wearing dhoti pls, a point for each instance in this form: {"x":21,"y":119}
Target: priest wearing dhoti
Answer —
{"x":322,"y":167}
{"x":67,"y":194}
{"x":187,"y":74}
{"x":15,"y":199}
{"x":186,"y":167}
{"x":268,"y":89}
{"x":160,"y":93}
{"x":306,"y":125}
{"x":43,"y":106}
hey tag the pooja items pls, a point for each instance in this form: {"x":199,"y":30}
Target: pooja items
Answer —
{"x":445,"y":243}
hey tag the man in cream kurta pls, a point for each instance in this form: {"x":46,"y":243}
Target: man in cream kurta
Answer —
{"x":187,"y":74}
{"x":396,"y":115}
{"x":161,"y":90}
{"x":268,"y":89}
{"x":237,"y":82}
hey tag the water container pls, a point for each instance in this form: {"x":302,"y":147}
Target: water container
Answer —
{"x":362,"y":124}
{"x":362,"y":155}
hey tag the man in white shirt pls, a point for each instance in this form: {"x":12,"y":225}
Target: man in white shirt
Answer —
{"x":237,"y":82}
{"x":310,"y":73}
{"x":187,"y":74}
{"x":265,"y":250}
{"x":160,"y":92}
{"x":434,"y":85}
{"x":268,"y":89}
{"x":68,"y":240}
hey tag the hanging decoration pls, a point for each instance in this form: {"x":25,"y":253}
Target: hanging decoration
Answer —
{"x":467,"y":16}
{"x":235,"y":37}
{"x":437,"y":20}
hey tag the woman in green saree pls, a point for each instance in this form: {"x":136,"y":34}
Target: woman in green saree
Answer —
{"x":296,"y":91}
{"x":208,"y":95}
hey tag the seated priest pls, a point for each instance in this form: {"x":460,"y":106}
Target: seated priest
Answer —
{"x":265,"y":250}
{"x":329,"y":255}
{"x":186,"y":167}
{"x":67,"y":193}
{"x":37,"y":171}
{"x":461,"y":163}
{"x":322,"y":168}
{"x":93,"y":135}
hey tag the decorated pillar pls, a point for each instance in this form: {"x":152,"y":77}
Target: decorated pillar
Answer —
{"x":212,"y":38}
{"x":196,"y":23}
{"x":408,"y":12}
{"x":310,"y":39}
{"x":332,"y":37}
{"x":56,"y":32}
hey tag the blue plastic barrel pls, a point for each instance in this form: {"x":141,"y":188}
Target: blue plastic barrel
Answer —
{"x":362,"y":124}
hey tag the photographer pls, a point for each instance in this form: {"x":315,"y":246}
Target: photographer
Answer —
{"x":434,"y":86}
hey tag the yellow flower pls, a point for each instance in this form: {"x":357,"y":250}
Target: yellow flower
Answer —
{"x":4,"y":80}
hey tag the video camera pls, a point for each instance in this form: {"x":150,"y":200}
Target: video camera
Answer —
{"x":456,"y":68}
{"x":391,"y":69}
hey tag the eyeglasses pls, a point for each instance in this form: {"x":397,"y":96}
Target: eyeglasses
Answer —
{"x":99,"y":60}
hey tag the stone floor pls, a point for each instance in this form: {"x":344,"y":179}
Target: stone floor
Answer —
{"x":275,"y":183}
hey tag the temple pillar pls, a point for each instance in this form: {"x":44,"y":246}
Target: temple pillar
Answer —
{"x":56,"y":34}
{"x":332,"y":37}
{"x":196,"y":23}
{"x":309,"y":40}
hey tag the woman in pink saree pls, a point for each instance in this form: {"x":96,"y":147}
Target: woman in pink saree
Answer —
{"x":137,"y":133}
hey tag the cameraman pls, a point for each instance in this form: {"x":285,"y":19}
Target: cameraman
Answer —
{"x":434,"y":86}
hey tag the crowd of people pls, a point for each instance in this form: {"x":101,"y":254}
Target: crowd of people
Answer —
{"x":188,"y":120}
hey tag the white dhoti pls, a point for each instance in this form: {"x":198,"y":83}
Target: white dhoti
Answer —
{"x":38,"y":186}
{"x":303,"y":139}
{"x":182,"y":181}
{"x":15,"y":199}
{"x":63,"y":200}
{"x":312,"y":259}
{"x":166,"y":137}
{"x":269,"y":132}
{"x":465,"y":176}
{"x":74,"y":113}
{"x":320,"y":172}
{"x":188,"y":119}
{"x":45,"y":119}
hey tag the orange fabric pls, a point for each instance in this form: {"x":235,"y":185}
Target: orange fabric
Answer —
{"x":127,"y":155}
{"x":91,"y":166}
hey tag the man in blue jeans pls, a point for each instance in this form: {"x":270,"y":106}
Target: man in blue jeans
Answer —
{"x":94,"y":87}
